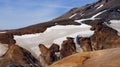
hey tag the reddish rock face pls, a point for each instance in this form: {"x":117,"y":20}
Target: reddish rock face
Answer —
{"x":7,"y":38}
{"x":68,"y":47}
{"x":18,"y":57}
{"x":48,"y":54}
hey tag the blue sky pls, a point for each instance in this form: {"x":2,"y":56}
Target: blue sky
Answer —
{"x":20,"y":13}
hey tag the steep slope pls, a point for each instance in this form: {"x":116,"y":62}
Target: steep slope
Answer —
{"x":87,"y":11}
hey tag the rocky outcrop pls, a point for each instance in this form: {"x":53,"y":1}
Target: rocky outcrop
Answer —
{"x":85,"y":43}
{"x":101,"y":58}
{"x":68,"y":47}
{"x":18,"y":57}
{"x":104,"y":37}
{"x":48,"y":54}
{"x":7,"y":38}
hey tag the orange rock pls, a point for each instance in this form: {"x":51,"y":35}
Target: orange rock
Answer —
{"x":101,"y":58}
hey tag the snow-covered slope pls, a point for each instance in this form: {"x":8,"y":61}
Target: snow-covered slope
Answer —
{"x":55,"y":34}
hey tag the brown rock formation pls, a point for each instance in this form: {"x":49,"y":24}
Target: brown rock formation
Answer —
{"x":85,"y":43}
{"x":7,"y":38}
{"x":18,"y":57}
{"x":101,"y":58}
{"x":48,"y":54}
{"x":104,"y":37}
{"x":68,"y":47}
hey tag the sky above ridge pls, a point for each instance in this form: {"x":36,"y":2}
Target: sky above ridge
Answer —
{"x":20,"y":13}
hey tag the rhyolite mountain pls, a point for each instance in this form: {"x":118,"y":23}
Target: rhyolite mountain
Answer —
{"x":86,"y":29}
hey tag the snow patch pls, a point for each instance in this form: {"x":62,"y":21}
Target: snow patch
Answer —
{"x":3,"y":49}
{"x":118,"y":10}
{"x":115,"y":24}
{"x":82,"y":14}
{"x":27,"y":36}
{"x":92,"y":18}
{"x":80,"y":21}
{"x":72,"y":15}
{"x":2,"y":32}
{"x":100,"y":6}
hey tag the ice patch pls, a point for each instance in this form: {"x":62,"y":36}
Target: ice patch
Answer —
{"x":93,"y":17}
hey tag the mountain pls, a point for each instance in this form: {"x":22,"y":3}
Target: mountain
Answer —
{"x":92,"y":27}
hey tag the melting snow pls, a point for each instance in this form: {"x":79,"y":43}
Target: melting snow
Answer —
{"x":55,"y":34}
{"x":100,"y":6}
{"x":73,"y":15}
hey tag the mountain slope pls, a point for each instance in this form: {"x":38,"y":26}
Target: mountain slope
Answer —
{"x":92,"y":27}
